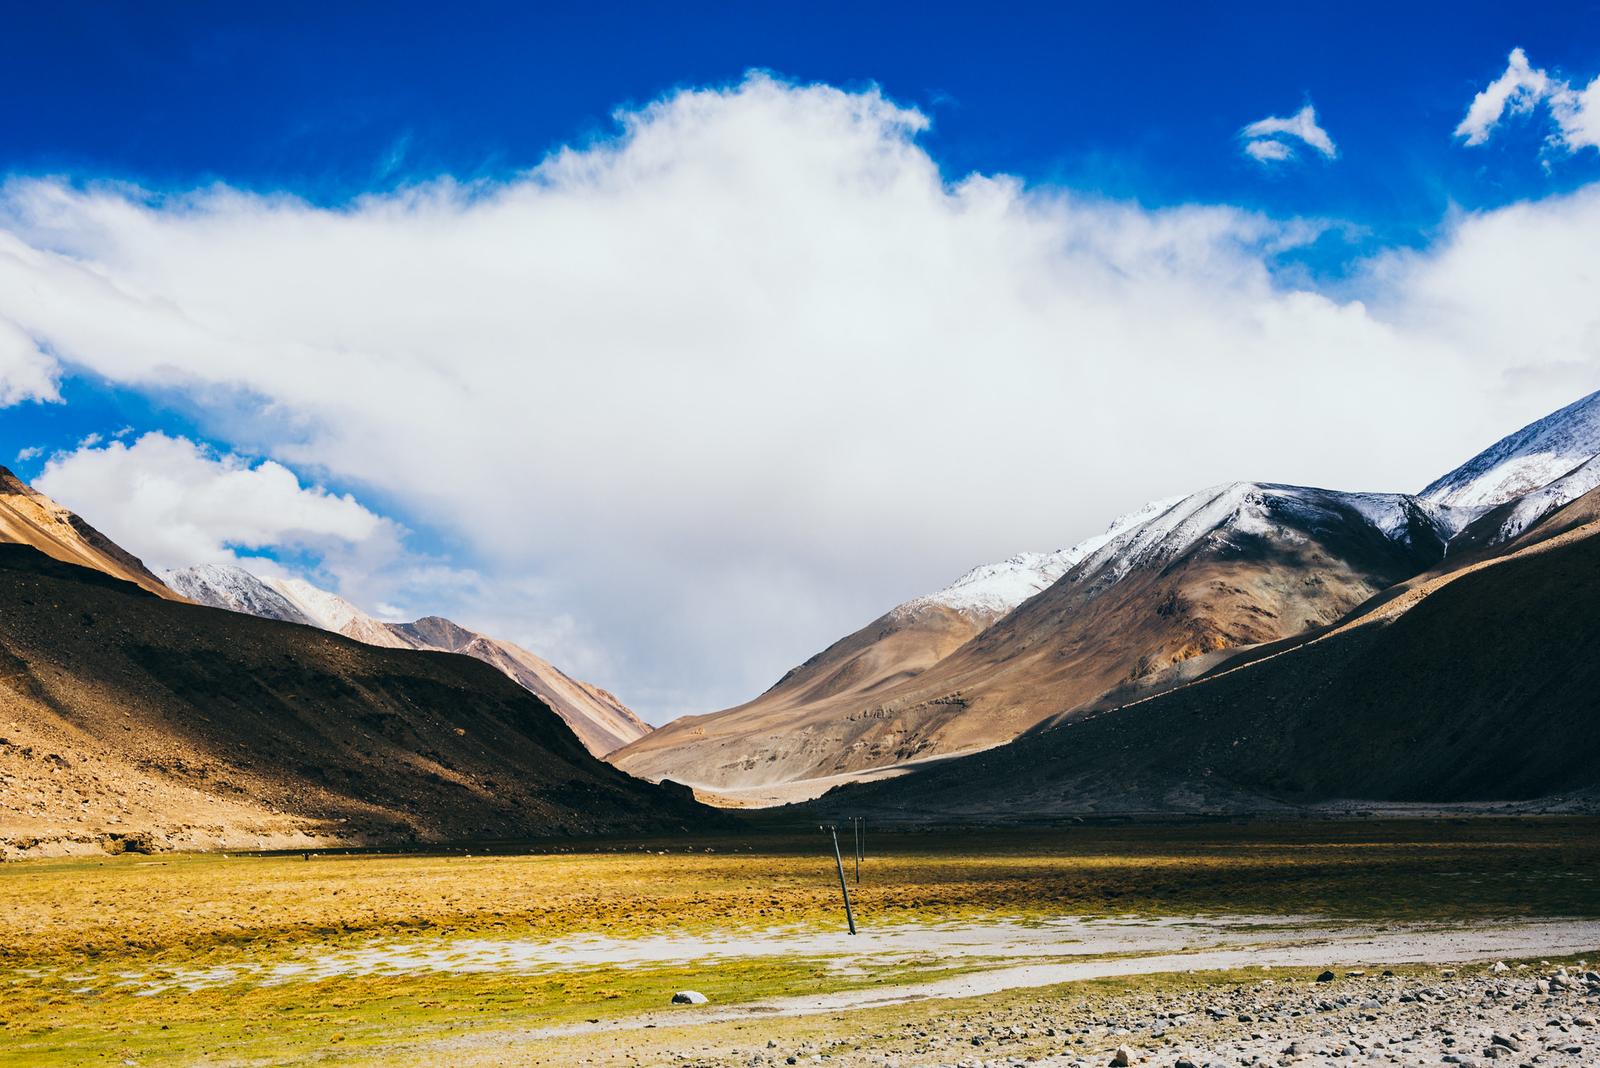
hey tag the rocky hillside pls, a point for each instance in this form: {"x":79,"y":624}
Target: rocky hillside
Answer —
{"x":134,"y":722}
{"x":602,"y":722}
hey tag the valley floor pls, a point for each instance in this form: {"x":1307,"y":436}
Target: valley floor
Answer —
{"x":1197,"y":941}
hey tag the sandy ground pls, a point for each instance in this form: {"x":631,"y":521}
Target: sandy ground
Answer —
{"x":1161,"y":946}
{"x":1311,"y":994}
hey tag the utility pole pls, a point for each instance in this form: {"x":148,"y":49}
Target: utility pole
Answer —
{"x":844,"y":888}
{"x":855,"y":825}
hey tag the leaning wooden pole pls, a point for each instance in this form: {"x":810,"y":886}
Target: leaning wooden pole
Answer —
{"x":844,"y":887}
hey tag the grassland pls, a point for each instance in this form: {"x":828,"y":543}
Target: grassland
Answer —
{"x":70,"y":932}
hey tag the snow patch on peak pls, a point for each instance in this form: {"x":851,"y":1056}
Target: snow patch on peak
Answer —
{"x":327,"y":610}
{"x":1250,"y":508}
{"x":995,"y":589}
{"x":1534,"y":506}
{"x":1534,"y":456}
{"x":235,"y":589}
{"x":992,"y":590}
{"x":332,"y":612}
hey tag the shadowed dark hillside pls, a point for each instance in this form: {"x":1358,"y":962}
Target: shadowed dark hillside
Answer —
{"x":134,"y":721}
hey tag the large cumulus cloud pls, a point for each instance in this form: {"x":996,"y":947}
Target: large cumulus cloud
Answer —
{"x":716,"y":389}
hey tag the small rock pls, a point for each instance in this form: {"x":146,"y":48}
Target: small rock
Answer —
{"x":1326,"y":977}
{"x":1499,"y":967}
{"x":689,"y":997}
{"x":1122,"y":1058}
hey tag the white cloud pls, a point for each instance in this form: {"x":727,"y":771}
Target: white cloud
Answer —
{"x":1265,"y":138}
{"x":1521,"y":89}
{"x":692,"y":402}
{"x":26,"y":372}
{"x":29,"y":452}
{"x":173,"y":503}
{"x":1268,"y":151}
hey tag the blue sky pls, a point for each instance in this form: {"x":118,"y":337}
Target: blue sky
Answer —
{"x":180,"y":173}
{"x":1137,"y":101}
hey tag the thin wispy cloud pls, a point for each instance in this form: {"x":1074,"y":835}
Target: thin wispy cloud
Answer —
{"x":1520,"y":90}
{"x":1269,"y":140}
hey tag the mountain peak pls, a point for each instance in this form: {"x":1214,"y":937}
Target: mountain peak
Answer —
{"x":437,"y":632}
{"x":236,"y":589}
{"x":1250,"y":509}
{"x":992,"y":590}
{"x":1535,"y":456}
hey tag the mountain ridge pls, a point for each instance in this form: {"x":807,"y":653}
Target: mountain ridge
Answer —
{"x":1224,"y":567}
{"x":1524,"y":460}
{"x":601,"y":721}
{"x":28,"y":517}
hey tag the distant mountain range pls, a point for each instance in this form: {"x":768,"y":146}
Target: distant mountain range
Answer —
{"x":600,"y":721}
{"x":1471,"y":686}
{"x":1164,"y":597}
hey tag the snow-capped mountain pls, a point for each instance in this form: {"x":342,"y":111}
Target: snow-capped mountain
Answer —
{"x":1535,"y":456}
{"x":1168,"y":587}
{"x":235,"y":589}
{"x":1171,"y":529}
{"x":992,"y":590}
{"x":1167,"y":591}
{"x":291,"y":600}
{"x":600,"y":721}
{"x":332,"y":612}
{"x":1499,"y":525}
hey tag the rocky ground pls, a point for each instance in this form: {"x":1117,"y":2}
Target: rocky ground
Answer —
{"x":1507,"y":1015}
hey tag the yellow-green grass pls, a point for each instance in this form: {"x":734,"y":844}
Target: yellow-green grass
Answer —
{"x":101,"y":918}
{"x":192,"y":904}
{"x":244,"y":1023}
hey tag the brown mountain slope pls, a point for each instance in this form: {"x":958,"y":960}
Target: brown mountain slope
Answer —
{"x":1229,"y":567}
{"x":28,"y":517}
{"x":129,"y":719}
{"x":1475,"y":684}
{"x":896,"y":646}
{"x":600,"y":721}
{"x":811,"y":718}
